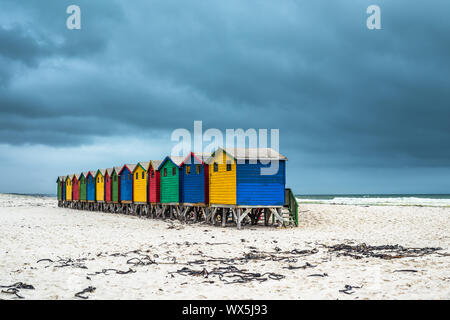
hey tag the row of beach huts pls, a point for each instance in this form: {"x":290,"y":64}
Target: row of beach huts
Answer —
{"x":225,"y":186}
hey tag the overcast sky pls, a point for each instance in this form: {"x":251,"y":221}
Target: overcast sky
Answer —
{"x":359,"y":111}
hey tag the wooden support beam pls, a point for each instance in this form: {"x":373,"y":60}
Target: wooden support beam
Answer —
{"x":238,"y":218}
{"x":277,"y":214}
{"x":224,"y":217}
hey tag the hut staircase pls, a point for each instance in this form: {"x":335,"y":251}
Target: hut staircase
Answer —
{"x":290,"y":215}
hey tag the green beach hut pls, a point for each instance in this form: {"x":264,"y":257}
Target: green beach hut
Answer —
{"x":115,"y":184}
{"x":170,"y":179}
{"x":82,"y":186}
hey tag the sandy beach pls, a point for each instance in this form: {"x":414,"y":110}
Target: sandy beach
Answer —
{"x":60,"y":252}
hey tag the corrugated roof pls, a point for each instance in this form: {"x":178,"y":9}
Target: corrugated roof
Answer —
{"x":130,"y":167}
{"x":102,"y":172}
{"x":202,"y":156}
{"x":177,"y":160}
{"x":109,"y":171}
{"x":155,"y":164}
{"x":143,"y":165}
{"x":93,"y":173}
{"x":254,"y":153}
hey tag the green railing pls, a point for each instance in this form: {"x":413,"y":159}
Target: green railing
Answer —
{"x":292,"y":204}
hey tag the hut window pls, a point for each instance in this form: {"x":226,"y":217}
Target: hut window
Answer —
{"x":137,"y":175}
{"x":216,"y":167}
{"x":174,"y":172}
{"x":165,"y":172}
{"x":98,"y":180}
{"x":198,"y":168}
{"x":143,"y":175}
{"x":129,"y":176}
{"x":115,"y":178}
{"x":107,"y":179}
{"x":188,"y":169}
{"x":153,"y":174}
{"x":228,"y":165}
{"x":102,"y":179}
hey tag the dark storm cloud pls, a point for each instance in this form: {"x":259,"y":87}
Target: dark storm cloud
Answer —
{"x":342,"y":95}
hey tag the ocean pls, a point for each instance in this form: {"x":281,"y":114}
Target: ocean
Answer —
{"x":431,"y":200}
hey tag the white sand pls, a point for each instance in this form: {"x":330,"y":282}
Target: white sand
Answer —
{"x":35,"y":228}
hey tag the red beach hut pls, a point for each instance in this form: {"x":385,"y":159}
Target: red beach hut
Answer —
{"x":108,"y":184}
{"x":75,"y":187}
{"x":154,"y":180}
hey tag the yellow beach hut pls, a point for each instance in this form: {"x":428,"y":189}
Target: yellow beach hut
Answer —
{"x":100,"y":185}
{"x":140,"y":182}
{"x":222,"y":178}
{"x":69,"y":188}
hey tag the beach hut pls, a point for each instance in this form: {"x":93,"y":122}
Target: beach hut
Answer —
{"x":140,"y":179}
{"x":154,"y":180}
{"x":90,"y":186}
{"x":75,"y":187}
{"x":59,"y":187}
{"x":194,"y":179}
{"x":108,"y":184}
{"x":237,"y":177}
{"x":68,"y":188}
{"x":63,"y":181}
{"x":82,"y":183}
{"x":126,"y":183}
{"x":115,"y":185}
{"x":100,"y":185}
{"x":170,"y":179}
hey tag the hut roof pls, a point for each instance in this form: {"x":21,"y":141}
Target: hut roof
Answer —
{"x":155,"y":164}
{"x":176,"y":160}
{"x":202,"y":157}
{"x":101,"y":171}
{"x":143,"y":165}
{"x":252,"y":153}
{"x":130,"y":167}
{"x":61,"y":178}
{"x":109,"y":171}
{"x":89,"y":173}
{"x":117,"y":169}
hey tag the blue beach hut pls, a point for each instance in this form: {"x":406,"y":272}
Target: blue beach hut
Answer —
{"x":126,"y":183}
{"x":194,"y":179}
{"x":90,"y":186}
